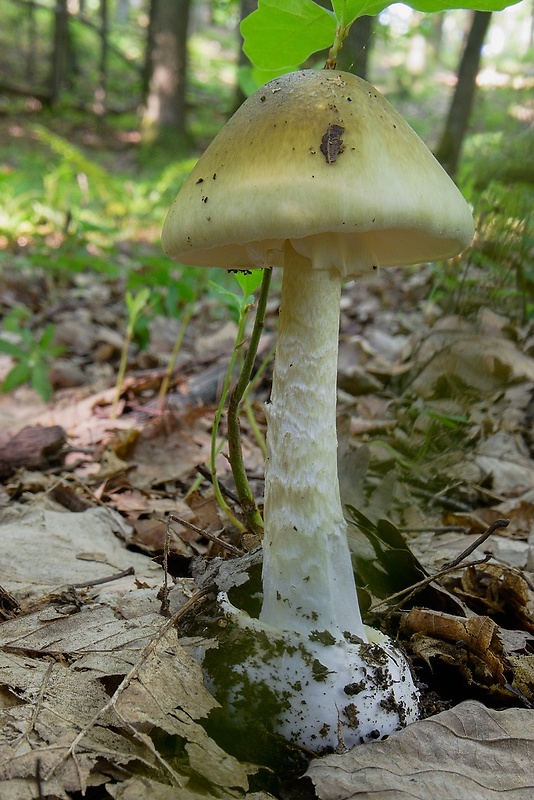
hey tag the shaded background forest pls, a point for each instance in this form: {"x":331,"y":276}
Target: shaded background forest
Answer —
{"x":104,"y":105}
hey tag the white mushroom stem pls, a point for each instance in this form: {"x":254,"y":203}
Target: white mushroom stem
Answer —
{"x":308,"y":582}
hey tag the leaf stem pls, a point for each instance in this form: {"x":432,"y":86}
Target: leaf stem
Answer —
{"x":246,"y":498}
{"x":342,"y":30}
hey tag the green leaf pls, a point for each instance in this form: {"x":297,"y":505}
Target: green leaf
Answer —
{"x":348,"y":10}
{"x":136,"y":302}
{"x":16,"y":376}
{"x":356,"y":8}
{"x":12,"y":349}
{"x":40,"y":382}
{"x":233,"y":301}
{"x":141,"y":331}
{"x":393,"y":568}
{"x":13,"y":320}
{"x":249,"y":282}
{"x":281,"y":34}
{"x":444,"y":5}
{"x":47,"y":337}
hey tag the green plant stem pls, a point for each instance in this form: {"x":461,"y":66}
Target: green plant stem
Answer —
{"x":260,"y":439}
{"x":258,"y":435}
{"x":244,"y":492}
{"x":259,"y":373}
{"x":215,"y":430}
{"x":340,"y":35}
{"x":122,"y":370}
{"x":186,"y":319}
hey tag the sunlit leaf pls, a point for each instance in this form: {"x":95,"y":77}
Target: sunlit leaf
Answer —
{"x":136,"y":302}
{"x":357,"y":8}
{"x":282,"y":34}
{"x":232,"y":299}
{"x":444,"y":5}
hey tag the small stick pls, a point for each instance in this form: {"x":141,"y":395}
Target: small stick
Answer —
{"x":164,"y":591}
{"x":207,"y":535}
{"x":437,"y":530}
{"x":98,"y":581}
{"x":499,"y":523}
{"x":410,"y":591}
{"x":208,"y":476}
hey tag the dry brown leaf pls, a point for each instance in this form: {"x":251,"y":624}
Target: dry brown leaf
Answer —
{"x":498,"y":589}
{"x":96,"y":629}
{"x":474,"y":650}
{"x":168,"y":692}
{"x":484,"y":363}
{"x":40,"y":551}
{"x":469,"y":752}
{"x":505,"y":458}
{"x":143,"y":788}
{"x":54,"y":703}
{"x":58,"y":718}
{"x":471,"y":646}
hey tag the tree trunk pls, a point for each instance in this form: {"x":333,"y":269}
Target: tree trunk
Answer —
{"x":435,"y":40}
{"x":166,"y":69}
{"x":99,"y":105}
{"x":60,"y":51}
{"x":32,"y":45}
{"x":450,"y":145}
{"x":354,"y":55}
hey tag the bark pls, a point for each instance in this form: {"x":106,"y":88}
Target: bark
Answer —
{"x":452,"y":138}
{"x":166,"y":71}
{"x":32,"y":45}
{"x":60,"y":51}
{"x":100,"y":91}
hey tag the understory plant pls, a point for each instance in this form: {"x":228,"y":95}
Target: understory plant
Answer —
{"x":32,"y":352}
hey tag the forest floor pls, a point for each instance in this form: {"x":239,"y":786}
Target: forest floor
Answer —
{"x":100,"y":488}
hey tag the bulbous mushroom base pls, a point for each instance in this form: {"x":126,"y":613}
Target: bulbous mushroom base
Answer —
{"x":319,"y":692}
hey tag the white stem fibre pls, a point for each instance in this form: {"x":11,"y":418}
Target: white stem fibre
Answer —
{"x":308,"y":582}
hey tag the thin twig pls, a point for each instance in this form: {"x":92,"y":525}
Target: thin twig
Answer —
{"x":97,"y":581}
{"x":207,"y":535}
{"x":224,"y":489}
{"x":407,"y":593}
{"x":499,"y":523}
{"x":164,"y":593}
{"x":439,"y":531}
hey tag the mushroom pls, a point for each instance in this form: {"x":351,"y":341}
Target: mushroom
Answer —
{"x":318,"y":174}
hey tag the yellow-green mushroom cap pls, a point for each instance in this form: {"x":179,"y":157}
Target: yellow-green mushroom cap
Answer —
{"x":318,"y":158}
